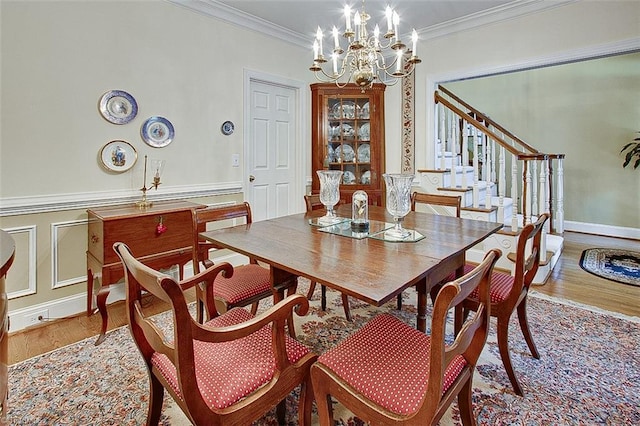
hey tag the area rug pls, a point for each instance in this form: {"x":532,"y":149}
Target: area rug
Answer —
{"x":589,"y":372}
{"x":622,"y":266}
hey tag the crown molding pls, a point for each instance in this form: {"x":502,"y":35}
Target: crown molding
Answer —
{"x":231,"y":15}
{"x":514,"y":9}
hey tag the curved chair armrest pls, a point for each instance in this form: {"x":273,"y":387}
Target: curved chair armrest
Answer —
{"x":208,"y":275}
{"x":278,"y":314}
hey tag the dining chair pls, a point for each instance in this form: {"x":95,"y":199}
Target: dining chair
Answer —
{"x":388,"y":372}
{"x":509,"y":293}
{"x":448,"y":205}
{"x":249,"y":284}
{"x":231,"y":370}
{"x":313,"y":203}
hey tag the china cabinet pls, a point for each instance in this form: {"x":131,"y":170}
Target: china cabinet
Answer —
{"x":348,"y":135}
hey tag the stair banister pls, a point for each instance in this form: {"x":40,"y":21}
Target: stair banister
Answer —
{"x":486,"y":118}
{"x":469,"y":119}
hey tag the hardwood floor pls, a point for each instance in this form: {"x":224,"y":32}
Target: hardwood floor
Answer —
{"x":567,"y":281}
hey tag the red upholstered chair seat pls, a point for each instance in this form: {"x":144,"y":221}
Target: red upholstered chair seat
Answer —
{"x":247,"y":281}
{"x":501,"y":285}
{"x":364,"y":358}
{"x":228,"y":371}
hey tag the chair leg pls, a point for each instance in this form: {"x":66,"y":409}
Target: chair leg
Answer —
{"x":323,"y":298}
{"x":399,"y":302}
{"x":281,"y":411}
{"x":254,"y":308}
{"x":345,"y":305}
{"x":464,"y":403}
{"x":312,"y":288}
{"x":524,"y":326}
{"x":199,"y":304}
{"x":305,"y":404}
{"x":156,"y":396}
{"x":503,"y":345}
{"x":325,"y":410}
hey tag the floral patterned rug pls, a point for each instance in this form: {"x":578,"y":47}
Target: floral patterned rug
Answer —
{"x":589,"y":371}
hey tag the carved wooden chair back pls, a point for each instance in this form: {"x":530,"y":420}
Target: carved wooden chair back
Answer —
{"x":199,"y":365}
{"x":509,"y":294}
{"x":249,"y":284}
{"x":390,"y":373}
{"x":449,"y":205}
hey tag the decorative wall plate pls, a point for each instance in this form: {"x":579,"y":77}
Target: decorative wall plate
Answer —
{"x":157,"y":132}
{"x":118,"y":156}
{"x":227,"y":128}
{"x":118,"y":107}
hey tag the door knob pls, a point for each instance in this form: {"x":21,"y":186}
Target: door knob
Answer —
{"x":252,"y":178}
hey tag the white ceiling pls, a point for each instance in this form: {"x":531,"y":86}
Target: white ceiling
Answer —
{"x":296,"y":21}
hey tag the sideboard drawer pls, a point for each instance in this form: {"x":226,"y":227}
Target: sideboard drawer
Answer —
{"x":141,"y":234}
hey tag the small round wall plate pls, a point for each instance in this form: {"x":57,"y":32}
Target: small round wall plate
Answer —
{"x":227,"y":128}
{"x":157,"y":132}
{"x":118,"y":107}
{"x":118,"y":156}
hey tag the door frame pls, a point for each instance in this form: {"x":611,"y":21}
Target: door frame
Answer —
{"x":301,"y":155}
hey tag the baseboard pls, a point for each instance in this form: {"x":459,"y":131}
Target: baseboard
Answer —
{"x":20,"y":319}
{"x":606,"y":230}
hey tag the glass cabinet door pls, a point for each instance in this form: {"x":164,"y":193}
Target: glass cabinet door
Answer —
{"x":348,"y":135}
{"x":348,"y":146}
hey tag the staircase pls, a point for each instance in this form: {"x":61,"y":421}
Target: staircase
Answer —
{"x":500,"y":179}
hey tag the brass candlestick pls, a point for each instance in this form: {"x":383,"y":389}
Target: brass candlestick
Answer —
{"x":157,"y":166}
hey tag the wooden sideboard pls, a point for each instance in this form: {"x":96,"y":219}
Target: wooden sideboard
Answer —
{"x":7,"y":252}
{"x":160,"y":236}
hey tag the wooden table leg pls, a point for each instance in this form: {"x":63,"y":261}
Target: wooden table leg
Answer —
{"x":281,"y":280}
{"x":421,"y":321}
{"x":101,"y":301}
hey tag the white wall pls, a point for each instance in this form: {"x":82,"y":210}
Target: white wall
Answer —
{"x":59,"y":57}
{"x":568,"y":31}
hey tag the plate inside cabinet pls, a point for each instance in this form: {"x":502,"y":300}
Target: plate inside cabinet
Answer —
{"x":364,"y":132}
{"x":344,"y":153}
{"x":348,"y":178}
{"x":157,"y":132}
{"x":118,"y":107}
{"x":364,"y":153}
{"x":118,"y":156}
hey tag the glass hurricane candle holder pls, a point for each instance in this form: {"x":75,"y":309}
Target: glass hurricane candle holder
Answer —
{"x":360,"y":211}
{"x":329,"y":194}
{"x":398,"y":202}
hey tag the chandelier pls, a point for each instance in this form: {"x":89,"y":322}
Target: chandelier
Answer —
{"x":364,"y":61}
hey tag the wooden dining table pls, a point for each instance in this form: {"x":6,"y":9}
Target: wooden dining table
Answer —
{"x":372,"y":270}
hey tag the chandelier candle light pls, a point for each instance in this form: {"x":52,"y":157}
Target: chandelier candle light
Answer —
{"x":364,"y":61}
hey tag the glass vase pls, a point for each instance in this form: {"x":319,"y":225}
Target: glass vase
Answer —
{"x":329,"y":194}
{"x":398,"y":202}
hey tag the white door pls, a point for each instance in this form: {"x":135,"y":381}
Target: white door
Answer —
{"x":271,"y":156}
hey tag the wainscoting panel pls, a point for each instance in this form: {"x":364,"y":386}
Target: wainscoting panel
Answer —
{"x":68,"y":253}
{"x":21,"y":279}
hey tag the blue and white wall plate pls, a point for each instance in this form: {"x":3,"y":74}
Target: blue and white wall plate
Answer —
{"x":118,"y":107}
{"x":157,"y":132}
